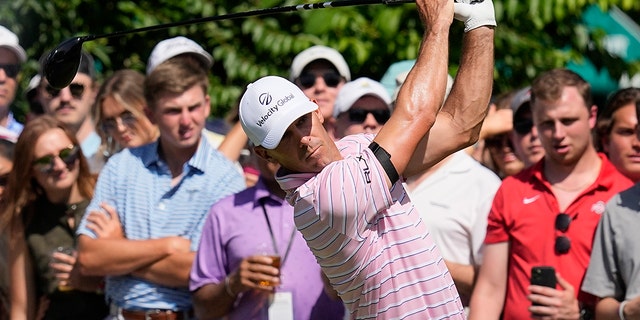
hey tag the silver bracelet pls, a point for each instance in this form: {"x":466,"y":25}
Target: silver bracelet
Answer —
{"x":621,"y":310}
{"x":227,"y":287}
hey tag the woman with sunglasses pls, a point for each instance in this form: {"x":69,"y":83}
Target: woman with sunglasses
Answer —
{"x":48,"y":189}
{"x":119,"y":113}
{"x":320,"y":72}
{"x":362,"y":106}
{"x":502,"y":157}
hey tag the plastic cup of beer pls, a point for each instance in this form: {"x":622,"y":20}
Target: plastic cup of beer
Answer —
{"x":70,"y":251}
{"x":275,"y":262}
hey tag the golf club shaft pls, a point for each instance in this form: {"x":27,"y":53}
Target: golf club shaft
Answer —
{"x":257,"y":12}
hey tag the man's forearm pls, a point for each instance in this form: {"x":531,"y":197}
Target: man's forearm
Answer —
{"x":609,"y":308}
{"x":418,"y":102}
{"x":486,"y":304}
{"x":463,"y":276}
{"x":487,"y":299}
{"x":171,"y":271}
{"x":212,"y":301}
{"x":101,"y":257}
{"x":459,"y":121}
{"x":468,"y":101}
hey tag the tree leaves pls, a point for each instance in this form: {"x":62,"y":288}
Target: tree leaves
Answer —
{"x":532,"y":36}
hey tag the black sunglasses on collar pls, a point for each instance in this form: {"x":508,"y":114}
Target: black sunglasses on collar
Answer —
{"x":563,"y":243}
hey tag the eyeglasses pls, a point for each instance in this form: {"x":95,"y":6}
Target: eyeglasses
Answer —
{"x":563,"y":243}
{"x":76,"y":89}
{"x":359,"y":115}
{"x":68,"y":155}
{"x":523,"y":126}
{"x":11,"y":70}
{"x":4,"y":179}
{"x":127,"y":119}
{"x":498,"y":141}
{"x":331,"y":78}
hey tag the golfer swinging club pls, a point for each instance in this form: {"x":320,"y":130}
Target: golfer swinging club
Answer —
{"x":349,"y":201}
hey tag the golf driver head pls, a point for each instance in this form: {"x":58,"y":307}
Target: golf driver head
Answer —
{"x":61,"y":65}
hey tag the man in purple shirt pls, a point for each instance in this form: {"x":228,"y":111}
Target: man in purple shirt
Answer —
{"x":229,"y":266}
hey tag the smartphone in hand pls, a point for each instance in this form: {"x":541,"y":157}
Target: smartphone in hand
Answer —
{"x":543,"y":276}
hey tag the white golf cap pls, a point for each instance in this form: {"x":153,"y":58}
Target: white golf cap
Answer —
{"x":33,"y":85}
{"x":169,"y":48}
{"x":9,"y":40}
{"x":522,"y":97}
{"x":356,"y":89}
{"x":269,"y":106}
{"x":319,"y":53}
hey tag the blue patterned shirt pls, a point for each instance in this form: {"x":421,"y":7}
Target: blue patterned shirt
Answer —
{"x":137,"y":182}
{"x":13,"y":125}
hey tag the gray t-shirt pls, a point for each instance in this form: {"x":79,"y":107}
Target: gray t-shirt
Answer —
{"x":614,"y":268}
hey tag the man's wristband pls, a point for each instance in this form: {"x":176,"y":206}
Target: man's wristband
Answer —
{"x":621,"y":310}
{"x":385,"y":161}
{"x":227,"y":287}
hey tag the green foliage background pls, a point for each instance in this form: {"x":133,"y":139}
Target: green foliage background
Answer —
{"x":532,"y":36}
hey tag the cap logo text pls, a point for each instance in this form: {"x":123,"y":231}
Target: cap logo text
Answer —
{"x":265,"y":99}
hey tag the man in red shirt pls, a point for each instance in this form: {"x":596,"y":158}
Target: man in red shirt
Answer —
{"x":547,"y":214}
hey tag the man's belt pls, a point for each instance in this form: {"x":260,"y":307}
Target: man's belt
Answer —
{"x":157,"y":315}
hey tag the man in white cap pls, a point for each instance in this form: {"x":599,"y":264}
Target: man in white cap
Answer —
{"x":362,"y":106}
{"x":348,"y":198}
{"x":181,"y":46}
{"x":161,"y":193}
{"x":173,"y":47}
{"x":320,"y":72}
{"x":12,"y":55}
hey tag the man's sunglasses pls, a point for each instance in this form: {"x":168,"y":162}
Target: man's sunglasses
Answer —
{"x":563,"y":243}
{"x":359,"y":115}
{"x":68,"y":155}
{"x":331,"y":79}
{"x":76,"y":89}
{"x":523,"y":126}
{"x":11,"y":70}
{"x":127,"y":119}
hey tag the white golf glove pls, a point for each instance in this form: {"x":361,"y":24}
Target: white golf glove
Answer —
{"x":474,"y":13}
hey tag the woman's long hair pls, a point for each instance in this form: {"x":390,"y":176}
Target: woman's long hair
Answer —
{"x":126,"y":87}
{"x":22,"y":187}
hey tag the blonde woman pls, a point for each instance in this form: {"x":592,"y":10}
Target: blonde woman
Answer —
{"x":119,"y":113}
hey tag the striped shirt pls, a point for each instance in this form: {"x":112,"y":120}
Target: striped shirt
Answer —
{"x":137,"y":182}
{"x":369,"y":240}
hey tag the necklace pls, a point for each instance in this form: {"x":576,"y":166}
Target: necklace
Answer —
{"x":571,"y":189}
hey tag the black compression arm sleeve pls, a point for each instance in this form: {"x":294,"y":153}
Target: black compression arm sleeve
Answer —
{"x":385,"y":160}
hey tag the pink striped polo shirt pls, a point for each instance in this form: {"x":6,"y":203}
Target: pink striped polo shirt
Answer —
{"x":369,"y":240}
